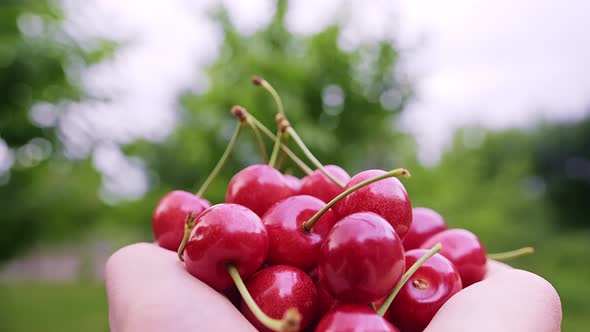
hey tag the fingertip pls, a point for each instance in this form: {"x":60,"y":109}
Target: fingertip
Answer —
{"x":547,"y":294}
{"x":495,"y":267}
{"x":509,"y":300}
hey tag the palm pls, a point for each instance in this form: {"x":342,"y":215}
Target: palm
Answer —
{"x":149,"y":290}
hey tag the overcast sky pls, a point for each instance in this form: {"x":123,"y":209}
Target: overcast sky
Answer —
{"x":491,"y":63}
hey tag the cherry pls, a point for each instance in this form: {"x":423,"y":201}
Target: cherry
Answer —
{"x":170,"y":214}
{"x":425,"y":223}
{"x":173,"y":209}
{"x":361,"y":259}
{"x":257,"y":187}
{"x":388,"y":198}
{"x":289,"y":243}
{"x":278,"y":288}
{"x":464,"y":250}
{"x":354,"y":318}
{"x":294,"y":183}
{"x":433,"y":283}
{"x":326,"y":301}
{"x":286,"y":130}
{"x":318,"y":185}
{"x":225,"y":234}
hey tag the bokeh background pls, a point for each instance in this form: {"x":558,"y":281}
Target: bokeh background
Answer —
{"x":107,"y":105}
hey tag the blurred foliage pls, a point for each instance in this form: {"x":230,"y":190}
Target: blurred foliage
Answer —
{"x":55,"y":307}
{"x":513,"y":188}
{"x":48,"y":197}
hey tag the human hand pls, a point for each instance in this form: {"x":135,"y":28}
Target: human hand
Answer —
{"x":149,"y":290}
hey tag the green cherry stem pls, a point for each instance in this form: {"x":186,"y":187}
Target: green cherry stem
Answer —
{"x":292,"y":133}
{"x":291,"y":318}
{"x":256,"y":80}
{"x":236,"y":111}
{"x":289,"y":131}
{"x":399,"y":172}
{"x":285,"y":148}
{"x":275,"y":150}
{"x":502,"y":256}
{"x":258,"y":138}
{"x":383,"y":308}
{"x":189,"y":223}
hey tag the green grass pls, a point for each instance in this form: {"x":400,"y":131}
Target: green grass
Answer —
{"x":63,"y":307}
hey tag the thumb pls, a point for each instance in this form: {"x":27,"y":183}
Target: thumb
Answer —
{"x":149,"y":290}
{"x":510,"y":301}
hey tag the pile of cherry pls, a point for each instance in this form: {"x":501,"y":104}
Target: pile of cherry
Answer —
{"x":327,"y":252}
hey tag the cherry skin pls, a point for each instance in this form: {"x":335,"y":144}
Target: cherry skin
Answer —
{"x":425,"y":292}
{"x":289,"y":243}
{"x":278,"y":288}
{"x":326,"y":301}
{"x":361,"y":259}
{"x":354,"y":318}
{"x":464,"y":250}
{"x":387,"y":198}
{"x":257,"y":187}
{"x":294,"y":183}
{"x":425,"y":223}
{"x":170,"y":214}
{"x":319,"y":185}
{"x":225,"y":234}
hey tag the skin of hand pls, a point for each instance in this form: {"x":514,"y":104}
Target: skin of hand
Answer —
{"x":148,"y":290}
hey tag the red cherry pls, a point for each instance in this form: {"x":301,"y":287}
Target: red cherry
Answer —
{"x":314,"y":274}
{"x":354,"y":318}
{"x":278,"y":288}
{"x":425,"y":223}
{"x":170,"y":214}
{"x":317,"y":184}
{"x":361,"y":259}
{"x":225,"y":234}
{"x":425,"y":292}
{"x":388,"y":198}
{"x":294,"y":183}
{"x":326,"y":301}
{"x":290,"y":244}
{"x":257,"y":187}
{"x":464,"y":250}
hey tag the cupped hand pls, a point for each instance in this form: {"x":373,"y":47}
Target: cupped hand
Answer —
{"x":148,"y":289}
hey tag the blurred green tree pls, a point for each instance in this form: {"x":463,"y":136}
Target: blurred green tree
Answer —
{"x":44,"y":194}
{"x":343,"y":104}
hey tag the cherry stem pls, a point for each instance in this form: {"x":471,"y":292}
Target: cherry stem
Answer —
{"x":311,"y":157}
{"x":283,"y":154}
{"x":501,"y":256}
{"x":238,"y":112}
{"x":284,"y":147}
{"x":275,"y":149}
{"x":383,"y":308}
{"x":189,"y":223}
{"x":291,"y":318}
{"x":399,"y":172}
{"x":257,"y":80}
{"x":258,"y":138}
{"x":289,"y":131}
